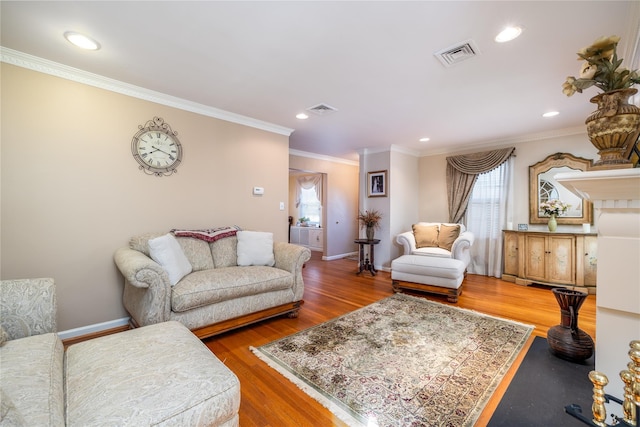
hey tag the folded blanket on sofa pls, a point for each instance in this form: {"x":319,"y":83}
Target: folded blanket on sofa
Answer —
{"x":208,"y":235}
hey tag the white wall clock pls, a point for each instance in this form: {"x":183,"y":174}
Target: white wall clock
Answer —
{"x":156,"y":148}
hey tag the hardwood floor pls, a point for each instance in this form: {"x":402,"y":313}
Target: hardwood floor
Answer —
{"x":332,"y":289}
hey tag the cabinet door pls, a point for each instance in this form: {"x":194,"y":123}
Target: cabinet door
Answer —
{"x":561,"y":262}
{"x":511,"y":253}
{"x":535,"y":256}
{"x":295,"y":235}
{"x":315,"y":238}
{"x":304,"y":236}
{"x":590,"y":260}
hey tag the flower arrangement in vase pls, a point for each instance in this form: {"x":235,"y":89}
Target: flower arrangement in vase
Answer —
{"x":371,"y":221}
{"x":553,"y":208}
{"x":614,"y":127}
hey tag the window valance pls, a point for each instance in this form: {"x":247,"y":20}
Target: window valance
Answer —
{"x":462,"y":172}
{"x":477,"y":163}
{"x":308,"y":182}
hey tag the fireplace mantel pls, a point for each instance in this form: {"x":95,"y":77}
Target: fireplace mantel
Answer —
{"x":616,"y":200}
{"x":620,"y":187}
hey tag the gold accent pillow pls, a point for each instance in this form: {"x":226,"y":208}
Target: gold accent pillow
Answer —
{"x":426,"y":235}
{"x":448,"y":234}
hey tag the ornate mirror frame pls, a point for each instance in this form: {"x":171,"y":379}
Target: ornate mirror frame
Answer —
{"x":558,"y":160}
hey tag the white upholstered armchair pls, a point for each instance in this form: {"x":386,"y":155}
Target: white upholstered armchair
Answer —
{"x":438,"y":240}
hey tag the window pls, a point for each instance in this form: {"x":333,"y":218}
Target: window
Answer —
{"x":486,"y":216}
{"x":309,"y":198}
{"x":310,"y":206}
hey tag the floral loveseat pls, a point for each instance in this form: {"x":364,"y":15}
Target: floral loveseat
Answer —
{"x":159,"y":375}
{"x":230,"y":278}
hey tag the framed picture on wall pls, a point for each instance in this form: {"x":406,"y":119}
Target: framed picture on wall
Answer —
{"x":377,"y":184}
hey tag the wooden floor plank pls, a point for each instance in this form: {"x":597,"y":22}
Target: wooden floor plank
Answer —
{"x":332,"y":289}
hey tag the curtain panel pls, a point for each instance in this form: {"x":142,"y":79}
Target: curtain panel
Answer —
{"x":462,"y":172}
{"x":490,"y":207}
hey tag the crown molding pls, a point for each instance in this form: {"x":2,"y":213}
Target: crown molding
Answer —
{"x":364,"y":151}
{"x":404,"y":150}
{"x":577,"y":130}
{"x":45,"y":66}
{"x":294,"y":152}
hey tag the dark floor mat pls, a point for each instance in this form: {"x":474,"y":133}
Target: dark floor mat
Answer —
{"x":543,"y":385}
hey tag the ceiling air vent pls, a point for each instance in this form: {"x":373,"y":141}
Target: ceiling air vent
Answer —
{"x":322,"y":109}
{"x":458,"y":53}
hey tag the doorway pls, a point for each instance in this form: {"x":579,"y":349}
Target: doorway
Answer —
{"x":307,"y":204}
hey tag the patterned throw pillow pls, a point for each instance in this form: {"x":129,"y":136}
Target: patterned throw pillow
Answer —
{"x":426,"y":235}
{"x":448,"y":234}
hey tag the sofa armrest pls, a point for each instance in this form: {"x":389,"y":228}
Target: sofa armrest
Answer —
{"x":460,"y":248}
{"x":291,"y":258}
{"x":28,"y":307}
{"x":147,"y":290}
{"x":408,"y":242}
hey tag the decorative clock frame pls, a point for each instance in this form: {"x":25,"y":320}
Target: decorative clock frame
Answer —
{"x":156,"y":148}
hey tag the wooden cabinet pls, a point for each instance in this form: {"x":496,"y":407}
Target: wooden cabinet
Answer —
{"x":311,"y":237}
{"x":550,"y":258}
{"x":555,"y":259}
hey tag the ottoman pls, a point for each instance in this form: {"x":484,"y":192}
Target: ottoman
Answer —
{"x":158,"y":375}
{"x":442,"y":276}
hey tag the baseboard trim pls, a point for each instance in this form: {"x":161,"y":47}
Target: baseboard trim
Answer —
{"x":96,"y":328}
{"x":331,"y":258}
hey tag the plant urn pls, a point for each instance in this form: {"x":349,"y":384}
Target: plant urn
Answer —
{"x":614,"y":128}
{"x":566,"y":340}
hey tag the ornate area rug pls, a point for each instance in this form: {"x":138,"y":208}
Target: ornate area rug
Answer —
{"x":402,"y":361}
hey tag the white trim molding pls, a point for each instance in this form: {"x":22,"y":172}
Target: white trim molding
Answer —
{"x":293,"y":152}
{"x":45,"y":66}
{"x":92,"y":329}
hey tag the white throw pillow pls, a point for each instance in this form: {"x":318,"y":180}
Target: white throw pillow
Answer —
{"x":166,"y":251}
{"x":255,"y":248}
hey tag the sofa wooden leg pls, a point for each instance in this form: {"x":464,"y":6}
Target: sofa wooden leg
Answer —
{"x":293,"y":314}
{"x":395,"y":286}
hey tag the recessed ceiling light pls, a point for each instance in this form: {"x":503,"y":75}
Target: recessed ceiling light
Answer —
{"x":424,"y":139}
{"x":81,"y":41}
{"x":550,"y":114}
{"x":302,"y":116}
{"x":508,"y":34}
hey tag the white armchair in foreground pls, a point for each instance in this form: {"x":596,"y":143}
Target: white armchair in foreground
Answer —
{"x":436,"y":256}
{"x":459,"y":249}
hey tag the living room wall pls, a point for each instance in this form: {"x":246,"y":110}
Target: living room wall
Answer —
{"x":72,"y":192}
{"x":432,"y":176}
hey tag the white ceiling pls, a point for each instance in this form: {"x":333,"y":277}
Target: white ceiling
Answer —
{"x":373,"y":61}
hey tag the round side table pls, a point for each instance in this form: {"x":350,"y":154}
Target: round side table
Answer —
{"x":363,"y":262}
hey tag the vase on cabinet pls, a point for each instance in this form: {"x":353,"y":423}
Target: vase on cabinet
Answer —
{"x":566,"y":340}
{"x":614,"y":128}
{"x":552,"y":224}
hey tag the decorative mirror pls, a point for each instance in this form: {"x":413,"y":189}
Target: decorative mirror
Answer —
{"x":543,"y":187}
